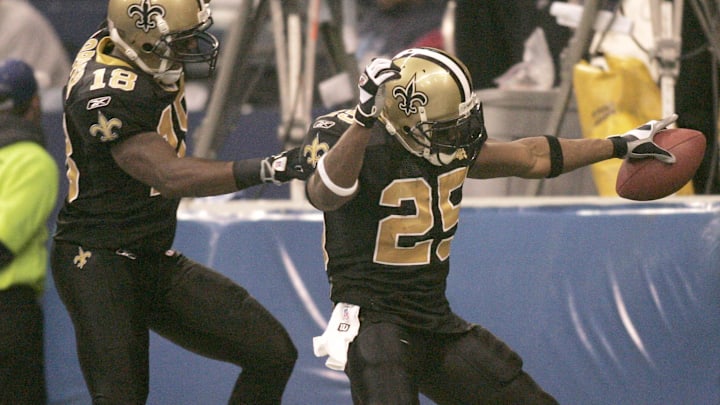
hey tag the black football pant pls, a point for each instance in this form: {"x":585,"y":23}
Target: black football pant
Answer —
{"x":389,"y":365}
{"x":22,"y":366}
{"x":115,"y":298}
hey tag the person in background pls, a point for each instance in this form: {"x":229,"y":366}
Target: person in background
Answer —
{"x":27,"y":35}
{"x":28,"y":195}
{"x":696,"y":97}
{"x":490,"y":35}
{"x":112,"y":259}
{"x":388,"y":176}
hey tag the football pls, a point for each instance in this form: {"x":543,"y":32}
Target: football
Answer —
{"x":650,"y":179}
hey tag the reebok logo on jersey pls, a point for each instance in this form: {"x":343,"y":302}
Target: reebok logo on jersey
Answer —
{"x":324,"y":124}
{"x":98,"y":102}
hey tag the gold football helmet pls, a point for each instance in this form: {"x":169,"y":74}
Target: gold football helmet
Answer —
{"x":159,"y":36}
{"x":431,"y":108}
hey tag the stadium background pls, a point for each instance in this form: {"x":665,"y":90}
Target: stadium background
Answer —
{"x":609,"y":302}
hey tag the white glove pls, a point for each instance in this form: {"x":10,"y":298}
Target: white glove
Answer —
{"x":639,"y":142}
{"x":372,"y":96}
{"x":282,"y":167}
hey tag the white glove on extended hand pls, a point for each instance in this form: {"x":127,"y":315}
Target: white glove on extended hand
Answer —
{"x":282,"y":167}
{"x":639,"y":142}
{"x":372,"y":96}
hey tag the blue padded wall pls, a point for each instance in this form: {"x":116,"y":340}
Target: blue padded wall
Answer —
{"x":607,"y":304}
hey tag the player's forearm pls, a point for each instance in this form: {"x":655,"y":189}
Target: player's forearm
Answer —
{"x":579,"y":153}
{"x":344,"y":161}
{"x":192,"y":177}
{"x":551,"y":157}
{"x":335,"y":179}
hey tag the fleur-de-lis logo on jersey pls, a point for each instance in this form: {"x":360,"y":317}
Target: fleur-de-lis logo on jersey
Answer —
{"x":408,"y":96}
{"x":105,"y":128}
{"x":82,"y":257}
{"x":144,"y":12}
{"x":315,"y":151}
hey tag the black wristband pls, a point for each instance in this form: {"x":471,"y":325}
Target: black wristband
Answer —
{"x":556,"y":157}
{"x":364,"y":120}
{"x":6,"y":256}
{"x":620,"y":148}
{"x":247,"y":172}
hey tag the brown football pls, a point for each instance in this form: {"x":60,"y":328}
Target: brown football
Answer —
{"x":650,"y":179}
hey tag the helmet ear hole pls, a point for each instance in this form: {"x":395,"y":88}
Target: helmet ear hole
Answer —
{"x":146,"y":47}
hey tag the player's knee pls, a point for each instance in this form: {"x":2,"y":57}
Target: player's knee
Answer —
{"x":491,"y":356}
{"x":287,"y":355}
{"x":280,"y":354}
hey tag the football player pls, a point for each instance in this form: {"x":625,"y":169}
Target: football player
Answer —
{"x":389,"y":176}
{"x":125,"y":122}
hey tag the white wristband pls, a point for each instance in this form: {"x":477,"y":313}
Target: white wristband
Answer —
{"x":340,"y":191}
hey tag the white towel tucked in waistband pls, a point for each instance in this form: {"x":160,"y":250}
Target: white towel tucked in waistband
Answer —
{"x":341,"y":330}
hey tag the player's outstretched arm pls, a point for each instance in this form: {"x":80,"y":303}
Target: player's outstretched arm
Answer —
{"x":147,"y":157}
{"x":547,"y":156}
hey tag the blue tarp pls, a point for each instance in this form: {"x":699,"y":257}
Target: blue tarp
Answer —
{"x":607,"y":304}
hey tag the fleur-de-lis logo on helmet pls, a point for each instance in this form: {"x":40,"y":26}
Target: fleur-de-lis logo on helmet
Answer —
{"x":408,"y":96}
{"x":314,"y":151}
{"x":144,"y":11}
{"x":105,"y":128}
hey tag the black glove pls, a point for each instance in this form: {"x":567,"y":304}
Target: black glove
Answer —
{"x":372,"y":95}
{"x":639,"y":144}
{"x":283,"y":167}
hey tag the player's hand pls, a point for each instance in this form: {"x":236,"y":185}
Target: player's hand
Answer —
{"x":372,"y":96}
{"x":639,"y":142}
{"x":283,"y":167}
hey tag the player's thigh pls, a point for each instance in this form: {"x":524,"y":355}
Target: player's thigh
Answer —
{"x":379,"y":365}
{"x":107,"y":304}
{"x":208,"y":313}
{"x":470,"y":368}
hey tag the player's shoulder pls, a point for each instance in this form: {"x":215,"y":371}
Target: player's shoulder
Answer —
{"x":98,"y":76}
{"x":335,"y":122}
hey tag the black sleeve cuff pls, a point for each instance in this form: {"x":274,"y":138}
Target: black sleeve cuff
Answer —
{"x":620,"y":147}
{"x":247,"y":173}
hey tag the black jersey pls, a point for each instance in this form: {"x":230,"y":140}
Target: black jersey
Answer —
{"x":105,"y":102}
{"x":388,"y":249}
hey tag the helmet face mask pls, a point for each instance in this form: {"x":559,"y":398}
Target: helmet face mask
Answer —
{"x":160,"y":36}
{"x":431,"y":109}
{"x":193,"y":45}
{"x":443,"y":139}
